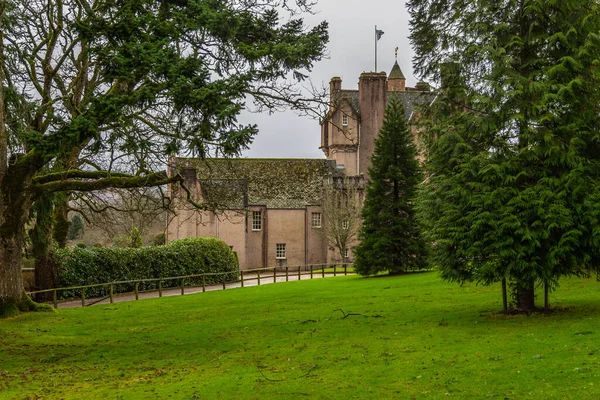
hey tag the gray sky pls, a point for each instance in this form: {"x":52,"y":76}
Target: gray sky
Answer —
{"x":351,"y":51}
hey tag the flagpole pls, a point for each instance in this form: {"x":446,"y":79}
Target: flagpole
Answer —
{"x":375,"y":48}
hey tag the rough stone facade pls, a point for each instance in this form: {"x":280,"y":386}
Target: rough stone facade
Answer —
{"x":266,"y":209}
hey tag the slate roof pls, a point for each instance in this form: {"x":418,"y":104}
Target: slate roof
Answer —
{"x":396,"y":72}
{"x":276,"y":183}
{"x":410,"y":98}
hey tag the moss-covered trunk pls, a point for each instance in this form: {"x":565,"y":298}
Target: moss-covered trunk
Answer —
{"x":41,"y":240}
{"x":11,"y":278}
{"x":16,"y":202}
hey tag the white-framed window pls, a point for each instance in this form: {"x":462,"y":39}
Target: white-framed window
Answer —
{"x":344,"y":120}
{"x":346,"y":253}
{"x":280,"y":251}
{"x":256,"y":220}
{"x":345,"y":225}
{"x":316,"y":220}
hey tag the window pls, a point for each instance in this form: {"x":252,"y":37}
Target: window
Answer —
{"x":345,"y":225}
{"x":256,"y":220}
{"x":280,"y":251}
{"x":316,"y":220}
{"x":346,"y":253}
{"x":344,"y":120}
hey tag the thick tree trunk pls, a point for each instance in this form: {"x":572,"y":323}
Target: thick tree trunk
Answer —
{"x":61,"y":220}
{"x":525,"y":296}
{"x":11,"y":278}
{"x":16,"y":202}
{"x":41,"y":239}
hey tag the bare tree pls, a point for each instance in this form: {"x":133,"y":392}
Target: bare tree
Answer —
{"x":116,"y":212}
{"x":342,"y":199}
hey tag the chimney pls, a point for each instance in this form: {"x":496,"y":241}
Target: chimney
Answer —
{"x":372,"y":88}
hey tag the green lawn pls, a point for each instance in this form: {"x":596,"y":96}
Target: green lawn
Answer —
{"x":421,"y":338}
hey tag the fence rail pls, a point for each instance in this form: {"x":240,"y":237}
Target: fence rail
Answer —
{"x":246,"y":276}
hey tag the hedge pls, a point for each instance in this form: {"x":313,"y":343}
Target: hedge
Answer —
{"x":87,"y":266}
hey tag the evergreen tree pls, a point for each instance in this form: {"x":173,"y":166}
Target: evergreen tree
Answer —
{"x":389,"y":236}
{"x":77,"y":228}
{"x":95,"y":96}
{"x":514,"y":164}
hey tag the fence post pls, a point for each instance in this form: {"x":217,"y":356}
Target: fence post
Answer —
{"x":311,"y":271}
{"x":345,"y":270}
{"x":203,"y":283}
{"x":259,"y":277}
{"x":274,"y":274}
{"x":323,"y":272}
{"x":287,"y":273}
{"x":182,"y":286}
{"x":160,"y":288}
{"x":223,"y":281}
{"x":137,"y":289}
{"x":54,"y":299}
{"x":110,"y":293}
{"x":242,"y":276}
{"x":299,"y":273}
{"x":334,"y":269}
{"x":82,"y":297}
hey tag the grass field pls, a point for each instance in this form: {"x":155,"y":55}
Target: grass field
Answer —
{"x":417,"y":338}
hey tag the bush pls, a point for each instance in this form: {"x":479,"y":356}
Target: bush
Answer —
{"x":93,"y":265}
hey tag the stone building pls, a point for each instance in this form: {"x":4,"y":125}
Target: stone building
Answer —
{"x":269,"y":210}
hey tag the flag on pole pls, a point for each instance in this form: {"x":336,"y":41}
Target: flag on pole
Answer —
{"x":379,"y":33}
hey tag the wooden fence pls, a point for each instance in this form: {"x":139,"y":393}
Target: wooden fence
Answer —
{"x":266,"y":275}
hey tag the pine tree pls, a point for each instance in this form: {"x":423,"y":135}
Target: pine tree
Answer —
{"x":389,"y":236}
{"x":514,"y":165}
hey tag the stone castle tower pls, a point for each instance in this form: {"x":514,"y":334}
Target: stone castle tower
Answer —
{"x":356,"y":116}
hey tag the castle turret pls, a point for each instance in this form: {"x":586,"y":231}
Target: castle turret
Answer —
{"x":396,"y":80}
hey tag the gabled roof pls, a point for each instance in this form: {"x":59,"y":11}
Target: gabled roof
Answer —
{"x":275,"y":183}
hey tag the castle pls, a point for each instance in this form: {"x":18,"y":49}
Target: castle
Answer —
{"x":270,"y":210}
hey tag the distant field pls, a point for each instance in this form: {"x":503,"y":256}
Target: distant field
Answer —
{"x":416,"y":337}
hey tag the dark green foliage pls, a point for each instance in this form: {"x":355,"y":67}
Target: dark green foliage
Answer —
{"x":77,"y":267}
{"x":389,"y":236}
{"x":76,"y":229}
{"x":514,"y":162}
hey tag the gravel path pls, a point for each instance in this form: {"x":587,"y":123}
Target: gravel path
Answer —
{"x":250,"y":279}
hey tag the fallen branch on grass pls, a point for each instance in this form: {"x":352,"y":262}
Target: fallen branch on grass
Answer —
{"x":346,"y":315}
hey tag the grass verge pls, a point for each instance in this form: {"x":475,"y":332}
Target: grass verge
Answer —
{"x":409,"y":336}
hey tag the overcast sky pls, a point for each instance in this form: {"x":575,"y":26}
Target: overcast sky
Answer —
{"x":351,"y":51}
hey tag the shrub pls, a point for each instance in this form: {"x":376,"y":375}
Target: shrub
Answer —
{"x":92,"y":265}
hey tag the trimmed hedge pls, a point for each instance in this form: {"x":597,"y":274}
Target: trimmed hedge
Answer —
{"x":88,"y":266}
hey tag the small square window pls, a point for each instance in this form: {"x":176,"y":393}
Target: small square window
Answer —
{"x":344,"y":120}
{"x":256,"y":220}
{"x":346,"y":253}
{"x":316,"y":220}
{"x":345,"y":224}
{"x":280,"y":251}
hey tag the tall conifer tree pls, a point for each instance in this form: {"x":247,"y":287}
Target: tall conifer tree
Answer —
{"x":389,"y":236}
{"x":514,"y":165}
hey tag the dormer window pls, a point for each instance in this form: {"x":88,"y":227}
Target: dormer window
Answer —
{"x":344,"y":120}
